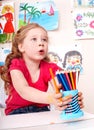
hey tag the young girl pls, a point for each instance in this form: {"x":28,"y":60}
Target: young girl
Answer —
{"x":26,"y":74}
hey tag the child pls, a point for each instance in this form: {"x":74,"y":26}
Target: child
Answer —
{"x":26,"y":73}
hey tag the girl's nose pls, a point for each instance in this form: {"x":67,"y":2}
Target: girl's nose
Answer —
{"x":41,"y":44}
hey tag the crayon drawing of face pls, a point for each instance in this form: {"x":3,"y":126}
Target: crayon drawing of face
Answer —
{"x":55,"y":58}
{"x":73,"y":61}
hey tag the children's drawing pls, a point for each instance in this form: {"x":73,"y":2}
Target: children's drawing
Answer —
{"x":83,"y":3}
{"x":73,"y":61}
{"x":54,"y":57}
{"x":44,"y":13}
{"x":6,"y":22}
{"x":83,"y":23}
{"x":68,"y":57}
{"x":3,"y":53}
{"x":1,"y":29}
{"x":51,"y":12}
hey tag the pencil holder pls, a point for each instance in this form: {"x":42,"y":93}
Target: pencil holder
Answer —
{"x":73,"y":110}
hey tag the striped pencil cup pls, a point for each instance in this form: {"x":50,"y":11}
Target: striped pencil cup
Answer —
{"x":73,"y":110}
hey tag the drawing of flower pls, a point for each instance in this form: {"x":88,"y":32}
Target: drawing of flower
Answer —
{"x":91,"y":24}
{"x":79,"y":33}
{"x":79,"y":17}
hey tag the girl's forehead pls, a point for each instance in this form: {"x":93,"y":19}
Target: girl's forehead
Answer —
{"x":37,"y":31}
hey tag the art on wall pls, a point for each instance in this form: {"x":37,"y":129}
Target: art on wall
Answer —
{"x":7,"y":28}
{"x":83,"y":3}
{"x":4,"y":51}
{"x":83,"y":18}
{"x":44,"y":13}
{"x":83,"y":24}
{"x":69,"y":57}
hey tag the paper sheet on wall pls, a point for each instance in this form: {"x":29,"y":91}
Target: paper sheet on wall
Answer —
{"x":90,"y":128}
{"x":7,"y":21}
{"x":36,"y":119}
{"x":83,"y":23}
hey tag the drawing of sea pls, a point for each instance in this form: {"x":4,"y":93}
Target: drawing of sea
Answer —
{"x":44,"y":13}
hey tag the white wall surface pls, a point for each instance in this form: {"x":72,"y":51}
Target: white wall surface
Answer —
{"x":64,"y":35}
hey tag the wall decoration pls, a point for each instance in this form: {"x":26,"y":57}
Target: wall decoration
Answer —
{"x":83,"y":3}
{"x":4,"y":51}
{"x":69,"y":57}
{"x":73,"y":60}
{"x":6,"y":21}
{"x":44,"y":13}
{"x":83,"y":23}
{"x":55,"y":58}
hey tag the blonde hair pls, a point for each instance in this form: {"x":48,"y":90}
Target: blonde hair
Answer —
{"x":6,"y":8}
{"x":15,"y":53}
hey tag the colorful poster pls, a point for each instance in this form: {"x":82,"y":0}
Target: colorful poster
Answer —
{"x":6,"y":21}
{"x":83,"y":23}
{"x":83,"y":3}
{"x":44,"y":13}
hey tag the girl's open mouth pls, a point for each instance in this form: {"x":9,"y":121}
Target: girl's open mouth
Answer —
{"x":41,"y":52}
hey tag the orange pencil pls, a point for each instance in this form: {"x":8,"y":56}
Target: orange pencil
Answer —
{"x":54,"y":81}
{"x":71,"y":76}
{"x":74,"y":78}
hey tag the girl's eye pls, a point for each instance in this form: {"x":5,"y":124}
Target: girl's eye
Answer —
{"x":44,"y":39}
{"x":34,"y":39}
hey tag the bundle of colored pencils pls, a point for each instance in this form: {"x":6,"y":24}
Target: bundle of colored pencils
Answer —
{"x":68,"y":79}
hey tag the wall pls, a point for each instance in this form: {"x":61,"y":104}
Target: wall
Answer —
{"x":64,"y":35}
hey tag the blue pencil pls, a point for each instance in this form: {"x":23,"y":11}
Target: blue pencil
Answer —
{"x":62,"y":81}
{"x":66,"y":80}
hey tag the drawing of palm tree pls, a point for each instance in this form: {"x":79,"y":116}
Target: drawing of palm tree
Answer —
{"x":25,"y":8}
{"x":91,"y":2}
{"x":34,"y":12}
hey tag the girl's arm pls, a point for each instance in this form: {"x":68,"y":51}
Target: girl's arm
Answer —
{"x":24,"y":90}
{"x":31,"y":94}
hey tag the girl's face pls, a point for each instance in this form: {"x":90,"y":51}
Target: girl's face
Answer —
{"x":35,"y":45}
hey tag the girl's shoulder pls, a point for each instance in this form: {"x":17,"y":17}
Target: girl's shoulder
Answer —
{"x":17,"y":63}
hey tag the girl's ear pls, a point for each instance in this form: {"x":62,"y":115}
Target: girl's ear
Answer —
{"x":20,"y":47}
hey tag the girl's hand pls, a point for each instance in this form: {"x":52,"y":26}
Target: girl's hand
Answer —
{"x":80,"y":99}
{"x":58,"y":100}
{"x":62,"y":104}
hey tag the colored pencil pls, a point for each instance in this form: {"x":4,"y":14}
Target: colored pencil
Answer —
{"x":63,"y":81}
{"x":71,"y":76}
{"x":74,"y":78}
{"x":67,"y":77}
{"x":54,"y":81}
